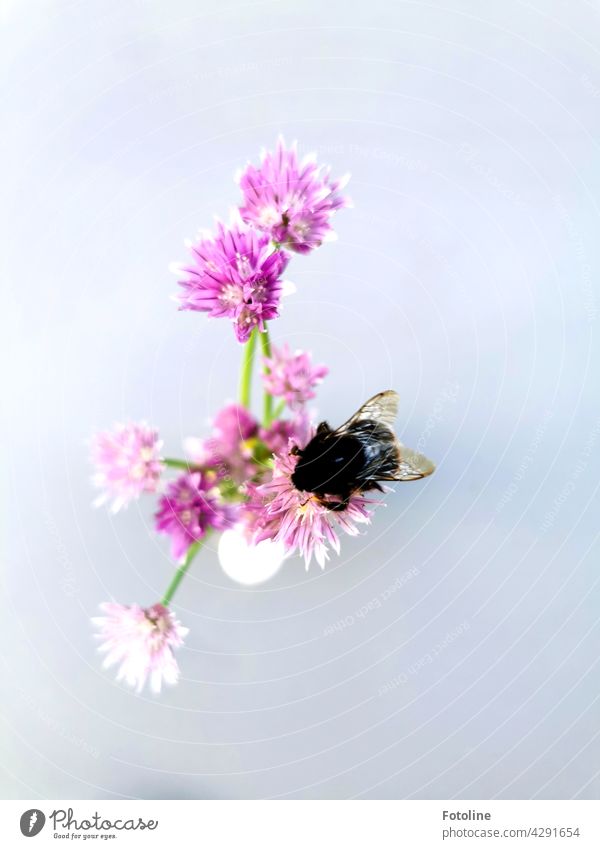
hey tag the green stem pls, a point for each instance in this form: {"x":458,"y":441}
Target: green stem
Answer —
{"x":278,"y":410}
{"x":247,"y":364}
{"x":180,"y":573}
{"x":173,"y":463}
{"x":268,"y":398}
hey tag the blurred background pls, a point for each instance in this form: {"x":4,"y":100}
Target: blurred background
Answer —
{"x":452,"y":651}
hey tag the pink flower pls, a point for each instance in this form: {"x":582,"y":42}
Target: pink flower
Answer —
{"x":292,"y":376}
{"x":255,"y":521}
{"x":278,"y":435}
{"x":190,"y":508}
{"x":229,"y":449}
{"x":236,"y":275}
{"x":127,"y":461}
{"x":277,"y":510}
{"x":291,"y":201}
{"x":141,"y":640}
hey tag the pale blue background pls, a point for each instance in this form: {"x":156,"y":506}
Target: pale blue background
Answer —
{"x":465,"y":277}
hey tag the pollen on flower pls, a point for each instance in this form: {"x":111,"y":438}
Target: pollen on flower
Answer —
{"x":301,"y":230}
{"x":231,"y":295}
{"x":268,"y":218}
{"x":304,"y":508}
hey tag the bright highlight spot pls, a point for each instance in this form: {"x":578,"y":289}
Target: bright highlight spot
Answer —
{"x":249,"y":564}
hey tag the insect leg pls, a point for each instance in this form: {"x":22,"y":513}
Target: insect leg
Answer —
{"x":335,"y":505}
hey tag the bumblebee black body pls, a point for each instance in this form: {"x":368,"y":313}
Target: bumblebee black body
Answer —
{"x":353,"y":458}
{"x":338,"y":465}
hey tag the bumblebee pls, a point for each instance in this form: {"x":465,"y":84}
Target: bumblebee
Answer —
{"x":356,"y":456}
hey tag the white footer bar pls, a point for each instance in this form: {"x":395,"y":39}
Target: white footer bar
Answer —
{"x":302,"y":824}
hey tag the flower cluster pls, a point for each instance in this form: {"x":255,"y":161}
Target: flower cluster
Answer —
{"x":237,"y":272}
{"x":191,"y":507}
{"x":229,"y":451}
{"x":127,"y":463}
{"x":291,"y":201}
{"x":291,"y":376}
{"x":239,"y":478}
{"x":276,"y":510}
{"x":299,"y":519}
{"x":235,"y":275}
{"x":142,"y":642}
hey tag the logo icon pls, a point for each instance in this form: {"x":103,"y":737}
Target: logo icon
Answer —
{"x":32,"y":822}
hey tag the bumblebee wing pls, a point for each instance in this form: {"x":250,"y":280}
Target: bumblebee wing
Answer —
{"x":411,"y":465}
{"x":386,"y":458}
{"x":396,"y":463}
{"x":381,"y":408}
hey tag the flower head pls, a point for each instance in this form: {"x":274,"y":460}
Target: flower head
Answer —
{"x":277,"y":510}
{"x":141,"y":640}
{"x":236,"y":275}
{"x":229,"y":449}
{"x":232,"y":423}
{"x":292,"y":376}
{"x":291,"y":201}
{"x":190,"y":507}
{"x":127,"y":461}
{"x":278,"y":435}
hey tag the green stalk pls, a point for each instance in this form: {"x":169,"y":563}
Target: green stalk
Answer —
{"x":278,"y":410}
{"x":180,"y":573}
{"x":247,"y":365}
{"x":268,"y":398}
{"x":173,"y":463}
